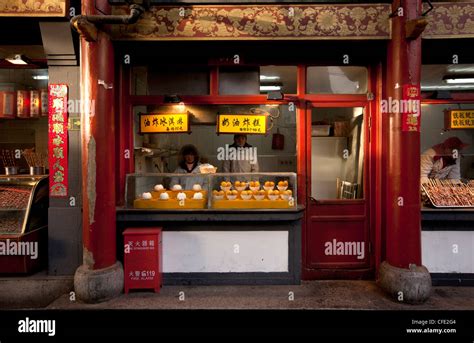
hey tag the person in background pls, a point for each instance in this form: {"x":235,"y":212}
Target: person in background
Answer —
{"x":188,"y":163}
{"x":241,"y":166}
{"x":442,"y":161}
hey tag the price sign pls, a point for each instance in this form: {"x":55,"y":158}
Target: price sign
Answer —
{"x":411,"y":117}
{"x":58,"y":140}
{"x":459,"y":119}
{"x":255,"y":124}
{"x":164,"y":123}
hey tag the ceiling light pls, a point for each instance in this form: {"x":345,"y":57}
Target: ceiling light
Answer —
{"x":172,"y":99}
{"x":17,"y":59}
{"x":269,"y":78}
{"x":275,"y":96}
{"x":40,"y":77}
{"x":457,"y":81}
{"x":269,"y":88}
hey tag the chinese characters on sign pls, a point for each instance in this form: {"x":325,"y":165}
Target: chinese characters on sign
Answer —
{"x":164,"y":123}
{"x":242,"y":123}
{"x":459,"y":119}
{"x":411,"y":118}
{"x":58,"y":140}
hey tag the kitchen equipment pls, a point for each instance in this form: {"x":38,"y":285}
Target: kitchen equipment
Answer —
{"x":278,"y":141}
{"x":320,"y":130}
{"x":11,"y":170}
{"x":37,"y":170}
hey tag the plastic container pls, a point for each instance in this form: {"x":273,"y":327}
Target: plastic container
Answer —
{"x":320,"y":130}
{"x":342,"y":128}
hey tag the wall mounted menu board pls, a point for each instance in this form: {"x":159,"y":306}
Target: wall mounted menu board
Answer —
{"x":459,"y":119}
{"x":255,"y":124}
{"x":164,"y":123}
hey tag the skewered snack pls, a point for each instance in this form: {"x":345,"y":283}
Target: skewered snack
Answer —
{"x":449,"y":193}
{"x":8,"y":158}
{"x":14,"y":197}
{"x":35,"y":159}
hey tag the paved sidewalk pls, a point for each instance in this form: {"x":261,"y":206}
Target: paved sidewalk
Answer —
{"x":32,"y":291}
{"x":308,"y":295}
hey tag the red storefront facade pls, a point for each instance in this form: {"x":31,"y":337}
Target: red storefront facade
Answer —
{"x":387,"y":218}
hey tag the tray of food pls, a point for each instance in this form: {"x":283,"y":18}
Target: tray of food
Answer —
{"x":449,"y":193}
{"x":174,"y":198}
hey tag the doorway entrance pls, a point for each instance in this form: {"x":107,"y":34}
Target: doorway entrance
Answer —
{"x":337,"y":221}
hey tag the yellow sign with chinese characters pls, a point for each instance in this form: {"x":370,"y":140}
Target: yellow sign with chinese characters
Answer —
{"x":255,"y":124}
{"x":459,"y":119}
{"x":164,"y":123}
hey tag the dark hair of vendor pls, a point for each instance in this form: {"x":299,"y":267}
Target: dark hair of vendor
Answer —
{"x":188,"y":149}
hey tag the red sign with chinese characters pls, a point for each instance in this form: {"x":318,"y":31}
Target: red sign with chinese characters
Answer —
{"x":142,"y":258}
{"x":411,"y":108}
{"x":58,"y":140}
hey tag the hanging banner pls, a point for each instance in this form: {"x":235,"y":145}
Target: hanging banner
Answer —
{"x":58,"y":140}
{"x":255,"y":124}
{"x":164,"y":123}
{"x":459,"y":119}
{"x":411,"y":108}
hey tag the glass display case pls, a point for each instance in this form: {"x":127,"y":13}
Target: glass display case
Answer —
{"x":211,"y":191}
{"x":24,"y":204}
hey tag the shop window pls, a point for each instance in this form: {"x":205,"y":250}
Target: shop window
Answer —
{"x":337,"y":80}
{"x":278,"y":78}
{"x":23,"y":118}
{"x":443,"y":78}
{"x":447,"y":162}
{"x":166,"y":80}
{"x":257,"y":80}
{"x":239,"y":81}
{"x":275,"y":151}
{"x":337,"y":153}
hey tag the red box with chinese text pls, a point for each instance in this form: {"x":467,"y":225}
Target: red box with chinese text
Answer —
{"x":143,"y":258}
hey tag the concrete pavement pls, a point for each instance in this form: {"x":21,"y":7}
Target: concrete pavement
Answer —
{"x":308,"y":295}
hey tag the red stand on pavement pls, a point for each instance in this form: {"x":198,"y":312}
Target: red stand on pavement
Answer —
{"x":142,"y":258}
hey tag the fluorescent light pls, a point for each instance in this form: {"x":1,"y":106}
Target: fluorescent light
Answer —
{"x":452,"y":87}
{"x":16,"y":59}
{"x":269,"y":78}
{"x":458,"y":81}
{"x":269,"y":88}
{"x":41,"y":77}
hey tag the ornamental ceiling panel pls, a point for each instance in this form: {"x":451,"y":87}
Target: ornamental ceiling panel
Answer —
{"x":450,"y":20}
{"x":260,"y":22}
{"x":33,"y":8}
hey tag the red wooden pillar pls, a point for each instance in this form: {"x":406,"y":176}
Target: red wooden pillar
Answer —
{"x":401,"y":172}
{"x":101,"y":276}
{"x":402,"y":148}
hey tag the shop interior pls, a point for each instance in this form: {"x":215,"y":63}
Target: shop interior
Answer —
{"x":24,"y":125}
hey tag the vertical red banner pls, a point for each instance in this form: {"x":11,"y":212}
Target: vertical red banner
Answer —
{"x":411,"y":108}
{"x":58,"y":140}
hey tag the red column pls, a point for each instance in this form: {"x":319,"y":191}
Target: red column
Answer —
{"x":98,"y":147}
{"x":402,"y":149}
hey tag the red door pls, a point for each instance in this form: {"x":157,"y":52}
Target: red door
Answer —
{"x":337,"y":218}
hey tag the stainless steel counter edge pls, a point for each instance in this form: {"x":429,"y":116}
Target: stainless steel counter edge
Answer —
{"x":448,"y":214}
{"x":126,"y":214}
